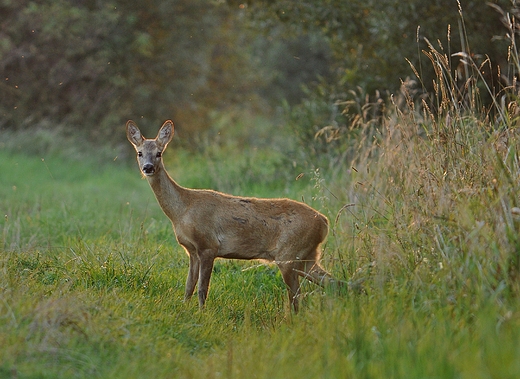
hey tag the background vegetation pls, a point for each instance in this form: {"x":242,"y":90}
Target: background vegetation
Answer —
{"x":89,"y":65}
{"x":419,"y":181}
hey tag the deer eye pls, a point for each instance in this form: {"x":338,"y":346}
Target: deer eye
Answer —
{"x":139,"y":154}
{"x":159,"y":154}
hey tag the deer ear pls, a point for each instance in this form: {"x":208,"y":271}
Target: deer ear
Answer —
{"x":165,"y":133}
{"x":133,"y":134}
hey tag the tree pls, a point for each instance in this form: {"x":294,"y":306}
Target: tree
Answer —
{"x":90,"y":64}
{"x":372,"y":40}
{"x":376,"y":45}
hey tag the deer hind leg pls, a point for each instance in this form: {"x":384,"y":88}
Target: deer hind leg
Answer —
{"x":291,"y":279}
{"x":313,"y":272}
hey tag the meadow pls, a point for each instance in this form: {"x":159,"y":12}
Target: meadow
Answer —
{"x":424,"y":215}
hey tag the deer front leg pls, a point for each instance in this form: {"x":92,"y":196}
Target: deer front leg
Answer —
{"x":193,"y":276}
{"x":206,"y":267}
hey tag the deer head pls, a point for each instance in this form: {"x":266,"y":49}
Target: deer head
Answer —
{"x":149,"y":151}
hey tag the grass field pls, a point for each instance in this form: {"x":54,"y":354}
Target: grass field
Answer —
{"x":92,"y":280}
{"x":424,"y":214}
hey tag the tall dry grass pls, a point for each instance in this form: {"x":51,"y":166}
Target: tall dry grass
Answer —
{"x":431,"y":195}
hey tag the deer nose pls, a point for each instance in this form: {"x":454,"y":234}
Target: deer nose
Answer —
{"x":148,"y":168}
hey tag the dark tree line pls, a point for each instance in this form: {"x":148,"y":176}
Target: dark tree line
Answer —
{"x":90,"y":64}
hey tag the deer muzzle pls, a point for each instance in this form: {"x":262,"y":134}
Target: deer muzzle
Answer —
{"x":148,"y":169}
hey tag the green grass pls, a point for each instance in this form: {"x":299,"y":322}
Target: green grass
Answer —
{"x":91,"y":278}
{"x":92,"y":282}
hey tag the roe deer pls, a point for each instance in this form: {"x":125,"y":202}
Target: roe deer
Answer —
{"x":210,"y":224}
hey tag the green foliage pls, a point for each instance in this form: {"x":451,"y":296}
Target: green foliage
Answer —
{"x":292,"y":63}
{"x":449,"y":80}
{"x":371,"y":39}
{"x":89,"y":65}
{"x":95,"y":64}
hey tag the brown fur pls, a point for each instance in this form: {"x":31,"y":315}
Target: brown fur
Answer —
{"x":210,"y":224}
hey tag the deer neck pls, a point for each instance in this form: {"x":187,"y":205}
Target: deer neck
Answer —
{"x":168,"y":193}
